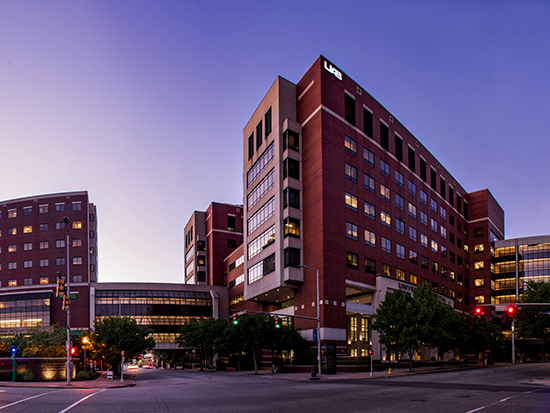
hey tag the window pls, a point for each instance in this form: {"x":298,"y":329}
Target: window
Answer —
{"x":231,"y":223}
{"x":400,"y":226}
{"x":12,"y":283}
{"x":59,"y":207}
{"x":367,"y":122}
{"x":60,"y":261}
{"x":478,"y":232}
{"x":433,"y":224}
{"x":444,"y":271}
{"x":433,"y":205}
{"x":78,"y":278}
{"x":412,"y":210}
{"x":398,"y":148}
{"x":259,"y":134}
{"x":452,"y":256}
{"x":44,"y":280}
{"x":27,"y":211}
{"x":399,"y":202}
{"x":369,"y":210}
{"x":12,"y":248}
{"x":292,"y":227}
{"x":351,"y":231}
{"x":479,"y":265}
{"x":479,"y":248}
{"x":423,"y":197}
{"x":433,"y":179}
{"x":399,"y":178}
{"x":384,"y":168}
{"x":435,"y":287}
{"x":459,"y":280}
{"x":92,"y":233}
{"x":291,"y":169}
{"x":27,"y":264}
{"x":413,"y":278}
{"x":349,"y":112}
{"x":201,"y":260}
{"x":413,"y":257}
{"x":424,"y":240}
{"x":351,"y":201}
{"x":264,"y":186}
{"x":77,"y":206}
{"x":231,"y":243}
{"x":12,"y":265}
{"x":43,"y":209}
{"x":368,"y":156}
{"x":44,"y":245}
{"x":59,"y":225}
{"x":43,"y":227}
{"x":452,"y":275}
{"x":251,"y":146}
{"x":458,"y":203}
{"x":351,"y":173}
{"x":368,"y":182}
{"x":386,"y":269}
{"x":291,"y":198}
{"x":451,"y":195}
{"x":386,"y":245}
{"x":263,"y":214}
{"x":480,"y":299}
{"x":452,"y":237}
{"x":412,"y":189}
{"x":291,"y":140}
{"x":77,"y":224}
{"x":423,"y":169}
{"x":27,"y":229}
{"x":443,"y":231}
{"x":370,"y":238}
{"x":60,"y":243}
{"x":400,"y":274}
{"x":384,"y":136}
{"x":424,"y":262}
{"x":451,"y":219}
{"x":292,"y":257}
{"x":262,"y":163}
{"x":350,"y":145}
{"x":44,"y":262}
{"x":370,"y":266}
{"x":352,"y":260}
{"x":385,"y":219}
{"x":12,"y":231}
{"x":435,"y":267}
{"x":400,"y":251}
{"x":412,"y":163}
{"x":443,"y":251}
{"x":27,"y":246}
{"x":385,"y":193}
{"x":12,"y":213}
{"x":442,"y":212}
{"x":412,"y":233}
{"x":465,"y":210}
{"x":424,"y":218}
{"x":267,"y":119}
{"x":479,"y":282}
{"x":435,"y":246}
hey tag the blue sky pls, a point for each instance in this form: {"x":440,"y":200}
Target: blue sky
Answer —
{"x":142,"y":103}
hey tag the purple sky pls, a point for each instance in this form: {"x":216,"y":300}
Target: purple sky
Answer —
{"x":142,"y":103}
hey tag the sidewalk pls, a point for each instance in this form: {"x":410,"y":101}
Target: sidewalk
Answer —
{"x":100,"y":383}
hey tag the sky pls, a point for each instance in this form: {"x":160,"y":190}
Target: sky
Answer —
{"x":143,"y":103}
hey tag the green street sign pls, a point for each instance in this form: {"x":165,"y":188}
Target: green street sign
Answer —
{"x":72,"y":296}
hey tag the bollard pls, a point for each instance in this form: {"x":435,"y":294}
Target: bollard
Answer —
{"x":314,"y":373}
{"x":389,"y":371}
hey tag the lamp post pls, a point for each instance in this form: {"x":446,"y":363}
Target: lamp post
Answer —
{"x":13,"y":350}
{"x":68,"y":292}
{"x":85,"y":343}
{"x":318,"y":321}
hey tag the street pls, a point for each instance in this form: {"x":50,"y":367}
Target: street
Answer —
{"x":491,"y":389}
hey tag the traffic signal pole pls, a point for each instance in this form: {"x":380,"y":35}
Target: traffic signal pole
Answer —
{"x":69,"y":369}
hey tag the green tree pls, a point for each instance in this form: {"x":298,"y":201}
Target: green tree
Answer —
{"x":478,"y":334}
{"x":112,"y":335}
{"x":534,"y":321}
{"x":43,"y":342}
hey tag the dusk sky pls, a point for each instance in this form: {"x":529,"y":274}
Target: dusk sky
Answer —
{"x":143,"y":103}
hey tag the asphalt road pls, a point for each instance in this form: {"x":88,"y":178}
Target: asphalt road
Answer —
{"x":486,"y":390}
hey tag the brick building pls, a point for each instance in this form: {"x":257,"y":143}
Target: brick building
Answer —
{"x":334,"y":181}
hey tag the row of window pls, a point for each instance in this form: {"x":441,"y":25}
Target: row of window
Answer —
{"x":43,"y":245}
{"x":42,"y":280}
{"x":27,"y":229}
{"x":44,"y":262}
{"x":43,"y":209}
{"x":260,"y":130}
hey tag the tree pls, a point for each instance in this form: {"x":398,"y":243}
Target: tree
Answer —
{"x":477,"y":335}
{"x":534,"y":321}
{"x":44,"y":342}
{"x":112,"y":335}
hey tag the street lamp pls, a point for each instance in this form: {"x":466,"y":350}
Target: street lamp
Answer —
{"x":68,"y":292}
{"x":318,"y":321}
{"x":85,"y":343}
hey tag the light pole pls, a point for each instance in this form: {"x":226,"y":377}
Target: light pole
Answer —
{"x":318,"y":321}
{"x":68,"y":292}
{"x":85,"y":343}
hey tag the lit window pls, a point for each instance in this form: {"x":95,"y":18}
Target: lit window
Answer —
{"x":385,"y":219}
{"x":400,"y":251}
{"x":352,"y":260}
{"x":412,"y":210}
{"x":479,"y":248}
{"x":12,"y":283}
{"x":77,"y":242}
{"x":480,"y":299}
{"x":43,"y":209}
{"x":444,"y":271}
{"x":479,"y":265}
{"x":386,"y":245}
{"x":351,"y":230}
{"x":12,"y":231}
{"x":44,"y":245}
{"x":435,"y":267}
{"x":77,"y":224}
{"x":12,"y":248}
{"x":27,"y":264}
{"x":350,"y":145}
{"x":424,"y":240}
{"x":368,"y":182}
{"x":385,"y":193}
{"x":413,"y":278}
{"x":292,"y":228}
{"x":27,"y":229}
{"x":452,"y":275}
{"x":12,"y":213}
{"x":44,"y":280}
{"x":370,"y":266}
{"x":370,"y":238}
{"x":413,"y":257}
{"x":386,"y":269}
{"x":369,"y":210}
{"x":59,"y":207}
{"x":27,"y":246}
{"x":351,"y":201}
{"x":479,"y":282}
{"x":435,"y":246}
{"x":60,"y":243}
{"x":443,"y":231}
{"x":400,"y":274}
{"x":77,"y":260}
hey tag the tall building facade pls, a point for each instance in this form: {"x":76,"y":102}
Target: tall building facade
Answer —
{"x":333,"y":181}
{"x":33,"y":250}
{"x":209,"y":237}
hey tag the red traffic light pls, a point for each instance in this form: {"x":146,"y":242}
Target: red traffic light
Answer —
{"x":371,"y":352}
{"x":511,"y":310}
{"x":73,"y":351}
{"x":478,"y":311}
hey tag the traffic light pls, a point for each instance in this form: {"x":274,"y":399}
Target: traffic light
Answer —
{"x":66,"y":302}
{"x":235,"y":319}
{"x":61,"y":288}
{"x":277,"y":322}
{"x":73,"y":351}
{"x":478,"y":312}
{"x":511,"y":311}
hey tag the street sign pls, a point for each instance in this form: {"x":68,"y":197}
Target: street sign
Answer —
{"x":72,"y":296}
{"x":315,"y":335}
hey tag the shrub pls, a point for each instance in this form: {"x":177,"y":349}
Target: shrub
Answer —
{"x":24,"y":375}
{"x":86,"y":375}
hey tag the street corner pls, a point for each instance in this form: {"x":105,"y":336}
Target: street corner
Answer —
{"x":541,"y":381}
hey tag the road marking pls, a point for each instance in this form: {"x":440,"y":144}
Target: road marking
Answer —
{"x":500,"y":401}
{"x":28,"y":398}
{"x":80,"y":401}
